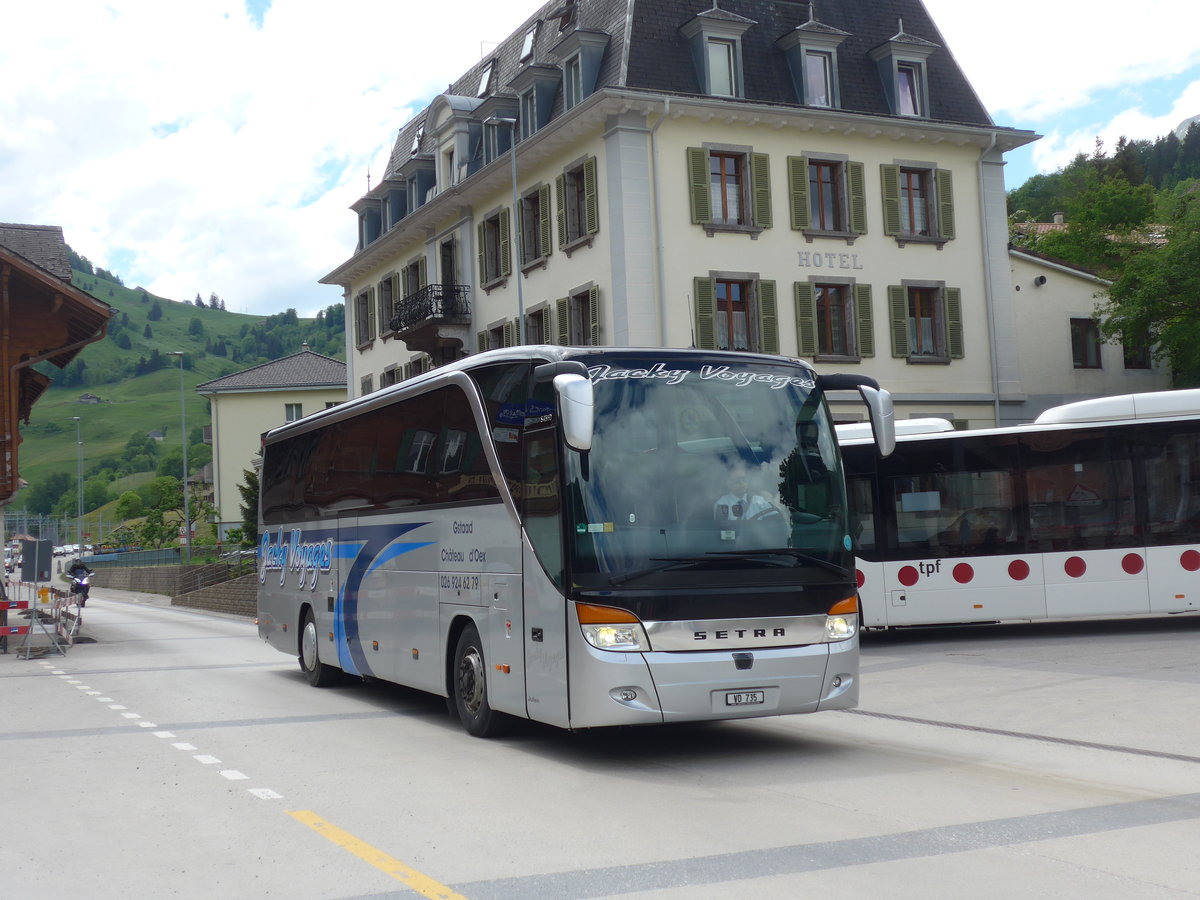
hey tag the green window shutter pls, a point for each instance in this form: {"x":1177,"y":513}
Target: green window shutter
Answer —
{"x":371,"y":314}
{"x":594,"y":323}
{"x":544,"y":237}
{"x":408,"y":372}
{"x":562,"y":315}
{"x":510,"y":333}
{"x":806,"y":319}
{"x":890,"y":178}
{"x":864,"y":319}
{"x":760,"y":180}
{"x":521,"y":259}
{"x":798,"y":192}
{"x":768,"y":318}
{"x":481,"y":341}
{"x":857,"y":188}
{"x":505,"y":241}
{"x":954,"y":323}
{"x":560,"y":190}
{"x":898,"y":312}
{"x":698,"y":182}
{"x":544,"y":315}
{"x":480,"y":237}
{"x":590,"y":198}
{"x":945,"y":197}
{"x":706,"y":313}
{"x":423,"y":272}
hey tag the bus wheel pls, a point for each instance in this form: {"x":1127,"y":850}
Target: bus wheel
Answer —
{"x":470,"y":687}
{"x":318,"y":674}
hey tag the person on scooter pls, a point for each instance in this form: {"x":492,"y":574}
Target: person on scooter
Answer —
{"x":79,"y":573}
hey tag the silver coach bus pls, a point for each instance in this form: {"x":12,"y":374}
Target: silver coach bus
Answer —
{"x":579,"y":536}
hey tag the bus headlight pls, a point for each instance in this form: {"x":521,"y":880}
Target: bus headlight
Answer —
{"x":609,"y":628}
{"x":841,"y":622}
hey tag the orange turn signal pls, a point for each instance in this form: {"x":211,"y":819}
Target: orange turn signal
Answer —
{"x":847,"y":607}
{"x":602,"y":615}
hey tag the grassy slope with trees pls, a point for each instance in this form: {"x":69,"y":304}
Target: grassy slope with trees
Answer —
{"x":138,"y":386}
{"x":1133,"y":218}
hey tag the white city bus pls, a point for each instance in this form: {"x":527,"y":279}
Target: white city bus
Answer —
{"x":1093,"y":510}
{"x":534,"y":532}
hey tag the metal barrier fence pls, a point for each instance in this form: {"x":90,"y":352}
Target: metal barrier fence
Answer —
{"x":133,"y":558}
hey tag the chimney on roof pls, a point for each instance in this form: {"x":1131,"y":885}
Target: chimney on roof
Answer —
{"x":304,"y":347}
{"x":1058,"y":218}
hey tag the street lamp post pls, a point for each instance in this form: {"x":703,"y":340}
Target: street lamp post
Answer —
{"x":187,"y":512}
{"x":78,"y":486}
{"x":511,"y":123}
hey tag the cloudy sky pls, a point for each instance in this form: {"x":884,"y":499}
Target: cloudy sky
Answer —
{"x":215,"y":145}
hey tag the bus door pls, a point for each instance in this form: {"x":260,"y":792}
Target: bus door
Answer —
{"x":545,"y":612}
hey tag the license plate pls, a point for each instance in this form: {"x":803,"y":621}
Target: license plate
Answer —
{"x":745,"y":698}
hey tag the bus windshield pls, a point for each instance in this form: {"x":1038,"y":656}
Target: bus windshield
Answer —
{"x":707,"y":472}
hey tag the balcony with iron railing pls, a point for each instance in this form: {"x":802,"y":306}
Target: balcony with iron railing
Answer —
{"x":436,"y":319}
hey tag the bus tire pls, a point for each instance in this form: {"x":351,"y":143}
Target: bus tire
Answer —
{"x":469,"y":687}
{"x":317,"y":672}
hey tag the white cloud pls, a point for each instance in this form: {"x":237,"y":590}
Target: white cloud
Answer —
{"x":213,"y":154}
{"x":1031,"y":59}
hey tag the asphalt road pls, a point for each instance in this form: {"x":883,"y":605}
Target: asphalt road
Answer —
{"x":178,"y":756}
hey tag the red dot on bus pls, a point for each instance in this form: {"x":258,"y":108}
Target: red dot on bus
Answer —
{"x":1018,"y":570}
{"x":1075,"y":567}
{"x":860,"y":577}
{"x":1190,"y":560}
{"x":908,"y":576}
{"x":1133,"y":563}
{"x":963,"y":573}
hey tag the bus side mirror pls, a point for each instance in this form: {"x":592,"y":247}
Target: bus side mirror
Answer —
{"x":576,"y":409}
{"x":878,"y":401}
{"x":883,"y":421}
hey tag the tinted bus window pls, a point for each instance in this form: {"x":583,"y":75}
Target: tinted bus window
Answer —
{"x":1169,"y":456}
{"x":1080,"y":490}
{"x":953,"y":497}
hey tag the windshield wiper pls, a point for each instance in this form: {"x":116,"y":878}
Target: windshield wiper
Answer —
{"x":666,"y":562}
{"x":798,"y":555}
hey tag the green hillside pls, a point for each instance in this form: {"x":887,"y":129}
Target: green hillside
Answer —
{"x":138,"y":382}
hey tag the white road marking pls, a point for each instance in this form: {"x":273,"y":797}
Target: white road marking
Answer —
{"x":234,"y":775}
{"x":146,"y":725}
{"x":164,"y":734}
{"x":265,"y":794}
{"x":117,"y":706}
{"x":130,"y":716}
{"x":206,"y":760}
{"x":183,"y":746}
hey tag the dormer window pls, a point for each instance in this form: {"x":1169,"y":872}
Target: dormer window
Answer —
{"x":416,"y":145}
{"x":535,"y":85}
{"x":715,"y":37}
{"x":723,"y":67}
{"x":572,"y":82}
{"x":581,"y":53}
{"x":902,"y":69}
{"x":485,"y":79}
{"x":910,"y":89}
{"x":527,"y":46}
{"x":811,"y":51}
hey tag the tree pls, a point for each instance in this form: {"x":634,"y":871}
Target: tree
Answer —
{"x":195,"y":327}
{"x":198,"y":301}
{"x":129,"y":506}
{"x":147,"y":332}
{"x":155,"y":312}
{"x":1102,"y":224}
{"x":1155,"y":299}
{"x":248,"y":489}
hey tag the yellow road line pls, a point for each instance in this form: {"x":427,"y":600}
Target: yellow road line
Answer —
{"x":422,"y":884}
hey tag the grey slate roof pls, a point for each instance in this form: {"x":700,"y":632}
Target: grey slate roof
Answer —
{"x":303,"y":370}
{"x":647,"y":52}
{"x":42,"y":245}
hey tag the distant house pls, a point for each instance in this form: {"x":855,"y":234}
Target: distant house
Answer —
{"x":248,"y":403}
{"x":155,"y":435}
{"x":88,"y":398}
{"x":1063,"y":358}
